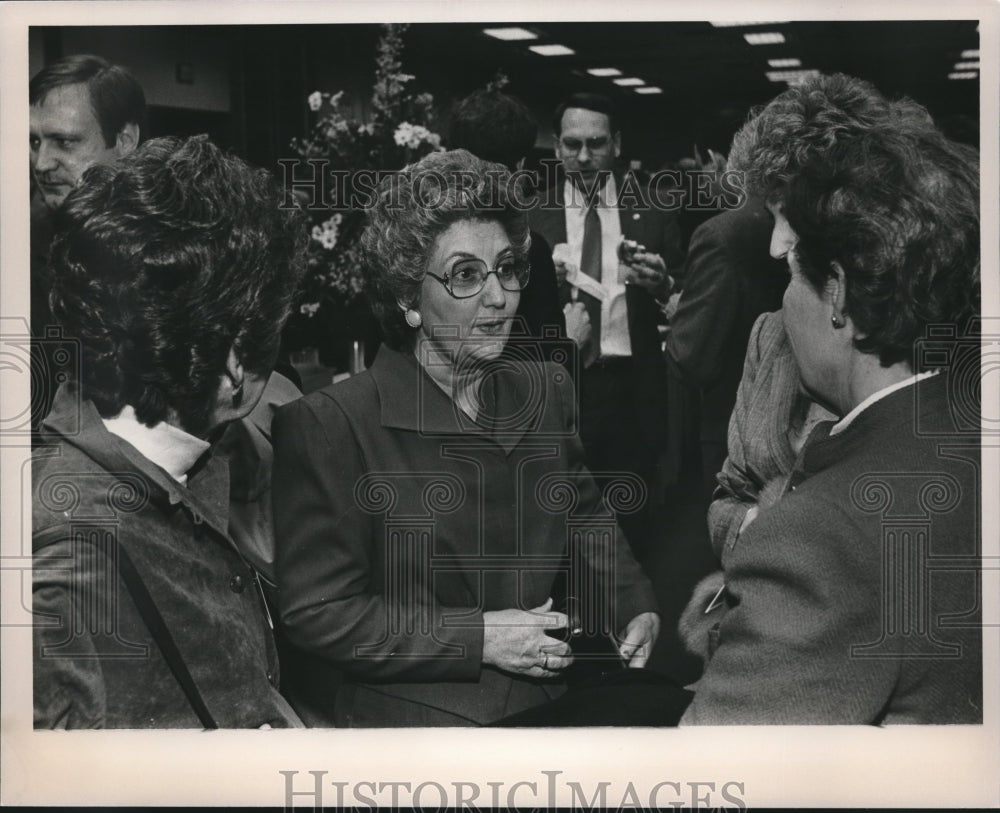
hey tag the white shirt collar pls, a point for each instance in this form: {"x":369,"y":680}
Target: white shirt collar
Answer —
{"x":170,"y":448}
{"x":846,"y":421}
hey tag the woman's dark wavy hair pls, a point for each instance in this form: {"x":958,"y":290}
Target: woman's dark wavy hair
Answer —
{"x":412,"y":209}
{"x":899,"y":212}
{"x":873,"y":185}
{"x":163,"y":262}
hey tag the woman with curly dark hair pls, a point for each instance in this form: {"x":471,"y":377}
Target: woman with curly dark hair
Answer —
{"x":174,"y":271}
{"x":835,"y":611}
{"x":423,"y":507}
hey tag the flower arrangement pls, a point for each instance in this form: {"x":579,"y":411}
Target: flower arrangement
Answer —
{"x":400,"y":130}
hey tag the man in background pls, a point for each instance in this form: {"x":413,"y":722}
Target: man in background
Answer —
{"x":84,"y":111}
{"x":585,"y":218}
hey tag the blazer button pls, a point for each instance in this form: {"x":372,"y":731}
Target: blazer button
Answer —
{"x":237,"y":584}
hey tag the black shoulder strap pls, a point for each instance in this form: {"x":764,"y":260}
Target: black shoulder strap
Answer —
{"x":158,"y":628}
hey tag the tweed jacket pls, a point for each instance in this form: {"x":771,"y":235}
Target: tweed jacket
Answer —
{"x":854,"y":599}
{"x":399,"y":522}
{"x":96,"y":665}
{"x":760,"y":454}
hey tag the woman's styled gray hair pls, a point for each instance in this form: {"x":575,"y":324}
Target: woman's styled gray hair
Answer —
{"x":412,"y":208}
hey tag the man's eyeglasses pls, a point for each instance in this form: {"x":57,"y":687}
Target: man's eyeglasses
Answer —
{"x":598,"y":144}
{"x":468,"y":277}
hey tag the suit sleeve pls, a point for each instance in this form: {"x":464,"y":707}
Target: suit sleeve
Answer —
{"x":701,"y":328}
{"x":805,"y":584}
{"x":329,"y":599}
{"x":539,"y":303}
{"x":69,"y":687}
{"x":633,"y":593}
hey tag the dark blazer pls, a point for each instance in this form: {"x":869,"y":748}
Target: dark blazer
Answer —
{"x":855,"y":599}
{"x":730,"y":279}
{"x":658,"y":231}
{"x":399,"y":522}
{"x":96,"y":663}
{"x":539,"y":303}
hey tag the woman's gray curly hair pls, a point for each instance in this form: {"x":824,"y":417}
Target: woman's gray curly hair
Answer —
{"x":412,"y":208}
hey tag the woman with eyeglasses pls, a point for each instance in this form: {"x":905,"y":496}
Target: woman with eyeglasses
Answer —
{"x":423,"y":508}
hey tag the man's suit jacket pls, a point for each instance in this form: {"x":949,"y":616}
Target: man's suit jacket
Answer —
{"x":658,"y":231}
{"x":730,"y":279}
{"x":399,"y":523}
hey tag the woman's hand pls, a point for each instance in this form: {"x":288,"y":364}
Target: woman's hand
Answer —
{"x":640,"y":635}
{"x":515,"y":641}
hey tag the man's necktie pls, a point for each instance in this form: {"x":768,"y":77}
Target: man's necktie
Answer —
{"x":590,"y":264}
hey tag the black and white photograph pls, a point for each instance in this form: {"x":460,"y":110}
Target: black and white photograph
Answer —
{"x":595,"y":404}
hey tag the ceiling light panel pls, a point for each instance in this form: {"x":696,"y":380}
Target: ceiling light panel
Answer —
{"x":764,"y":37}
{"x":512,"y":34}
{"x":551,"y":50}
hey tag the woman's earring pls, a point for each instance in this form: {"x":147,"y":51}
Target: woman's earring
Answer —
{"x":837,"y":322}
{"x":413,"y":318}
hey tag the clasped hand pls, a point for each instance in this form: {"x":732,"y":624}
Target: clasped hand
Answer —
{"x":515,"y":641}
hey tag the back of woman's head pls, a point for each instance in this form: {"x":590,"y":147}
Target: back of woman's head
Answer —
{"x":898,"y":211}
{"x":165,"y":261}
{"x":413,"y":207}
{"x":805,"y":122}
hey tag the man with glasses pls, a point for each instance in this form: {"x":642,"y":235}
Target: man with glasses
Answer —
{"x":612,"y":254}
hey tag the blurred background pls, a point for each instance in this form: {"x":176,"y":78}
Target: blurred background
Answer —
{"x":678,"y":84}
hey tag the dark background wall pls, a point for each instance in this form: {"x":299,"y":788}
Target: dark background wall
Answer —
{"x":247,"y":85}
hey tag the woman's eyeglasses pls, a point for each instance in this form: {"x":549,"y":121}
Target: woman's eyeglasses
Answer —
{"x":468,"y":277}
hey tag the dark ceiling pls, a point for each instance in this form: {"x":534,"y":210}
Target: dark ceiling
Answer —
{"x":710,"y":75}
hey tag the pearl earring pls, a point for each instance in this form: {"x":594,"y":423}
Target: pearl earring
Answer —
{"x":413,"y":318}
{"x":836,"y":321}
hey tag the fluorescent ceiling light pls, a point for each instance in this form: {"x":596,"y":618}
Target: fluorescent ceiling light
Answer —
{"x":792,"y":77}
{"x":973,"y":54}
{"x":785,"y":63}
{"x":551,"y":50}
{"x":630,"y":81}
{"x":747,"y":23}
{"x":965,"y":66}
{"x":648,"y":90}
{"x":604,"y":72}
{"x":963,"y":75}
{"x":764,"y":37}
{"x":510,"y":34}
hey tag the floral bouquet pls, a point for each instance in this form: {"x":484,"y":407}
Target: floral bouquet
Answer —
{"x":329,"y":310}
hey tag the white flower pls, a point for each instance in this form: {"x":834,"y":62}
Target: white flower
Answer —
{"x":309,"y":308}
{"x":335,"y":98}
{"x":315,"y":100}
{"x":326,"y":233}
{"x":403,"y":134}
